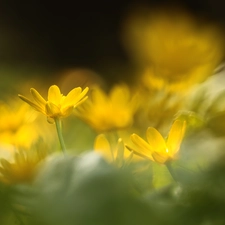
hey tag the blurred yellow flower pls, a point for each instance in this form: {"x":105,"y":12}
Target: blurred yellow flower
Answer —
{"x":156,"y":148}
{"x":115,"y":153}
{"x":176,"y":49}
{"x":57,"y":105}
{"x":108,"y":112}
{"x":22,"y":167}
{"x":17,"y":127}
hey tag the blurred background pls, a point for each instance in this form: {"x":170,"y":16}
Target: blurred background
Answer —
{"x":49,"y":37}
{"x":165,"y":54}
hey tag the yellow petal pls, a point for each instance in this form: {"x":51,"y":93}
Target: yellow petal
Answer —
{"x":120,"y":95}
{"x":84,"y":92}
{"x":160,"y":158}
{"x":156,"y":141}
{"x":81,"y":101}
{"x":176,"y":136}
{"x":99,"y":97}
{"x":72,"y":97}
{"x":143,"y":147}
{"x":102,"y":146}
{"x":54,"y":95}
{"x":38,"y":98}
{"x":75,"y":96}
{"x":67,"y":111}
{"x":133,"y":151}
{"x":34,"y":105}
{"x":52,"y":110}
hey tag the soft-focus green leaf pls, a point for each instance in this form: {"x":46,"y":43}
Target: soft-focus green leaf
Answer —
{"x":193,"y":120}
{"x":161,"y":175}
{"x":217,"y":123}
{"x":217,"y":104}
{"x":84,"y":190}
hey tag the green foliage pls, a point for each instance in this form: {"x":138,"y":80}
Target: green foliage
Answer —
{"x":217,"y":123}
{"x":86,"y":190}
{"x":82,"y":190}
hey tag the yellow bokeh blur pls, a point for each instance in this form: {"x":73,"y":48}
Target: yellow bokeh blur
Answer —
{"x":175,"y":49}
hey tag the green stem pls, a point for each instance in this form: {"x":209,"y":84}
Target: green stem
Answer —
{"x":59,"y":132}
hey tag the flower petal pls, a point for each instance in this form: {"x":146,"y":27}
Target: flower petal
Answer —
{"x":75,"y":96}
{"x":52,"y":110}
{"x":38,"y":98}
{"x":99,"y":97}
{"x":34,"y":105}
{"x":160,"y":158}
{"x":120,"y":95}
{"x":54,"y":95}
{"x":176,"y":136}
{"x":143,"y":147}
{"x":133,"y":151}
{"x":156,"y":141}
{"x":102,"y":146}
{"x":67,"y":111}
{"x":84,"y":92}
{"x":72,"y":97}
{"x":81,"y":101}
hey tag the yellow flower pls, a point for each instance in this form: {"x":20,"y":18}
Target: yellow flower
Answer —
{"x":107,"y":112}
{"x":16,"y":125}
{"x":156,"y":148}
{"x":115,"y":153}
{"x":22,"y":167}
{"x":57,"y":105}
{"x":178,"y":49}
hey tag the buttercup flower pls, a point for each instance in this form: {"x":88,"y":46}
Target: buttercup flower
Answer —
{"x":156,"y":148}
{"x":176,"y":49}
{"x":57,"y":105}
{"x":107,"y":112}
{"x":22,"y":167}
{"x":17,"y":123}
{"x":115,"y":153}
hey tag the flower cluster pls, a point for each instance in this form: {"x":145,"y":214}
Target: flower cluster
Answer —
{"x":130,"y":153}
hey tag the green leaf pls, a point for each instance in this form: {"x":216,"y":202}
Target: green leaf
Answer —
{"x":162,"y":176}
{"x":83,"y":190}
